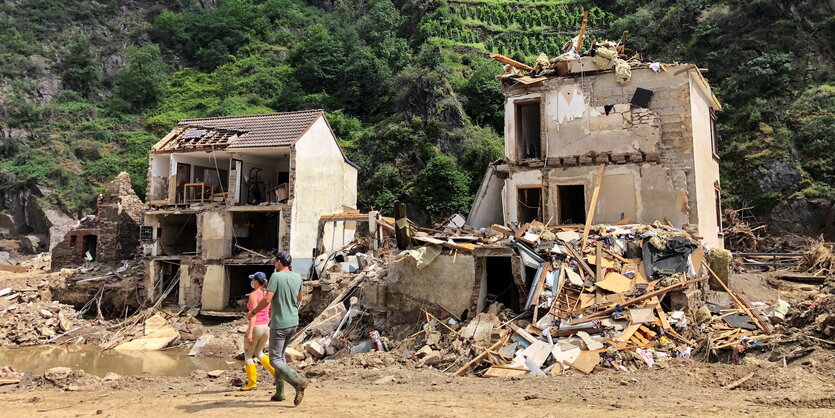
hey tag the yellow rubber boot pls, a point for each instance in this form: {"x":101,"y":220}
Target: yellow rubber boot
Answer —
{"x":251,"y":377}
{"x":265,"y":361}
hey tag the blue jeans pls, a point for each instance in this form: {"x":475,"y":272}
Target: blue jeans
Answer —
{"x":278,"y":342}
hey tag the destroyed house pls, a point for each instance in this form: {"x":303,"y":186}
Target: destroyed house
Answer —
{"x":109,"y":236}
{"x":225,"y":193}
{"x":652,"y":131}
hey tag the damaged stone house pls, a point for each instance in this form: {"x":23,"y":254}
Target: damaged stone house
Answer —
{"x":655,"y":135}
{"x":225,"y":193}
{"x":110,"y":235}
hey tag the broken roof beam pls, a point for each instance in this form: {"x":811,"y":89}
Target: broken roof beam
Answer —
{"x":582,"y":31}
{"x":511,"y":62}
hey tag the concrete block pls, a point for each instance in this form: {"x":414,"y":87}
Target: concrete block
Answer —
{"x":315,"y":349}
{"x":293,"y":354}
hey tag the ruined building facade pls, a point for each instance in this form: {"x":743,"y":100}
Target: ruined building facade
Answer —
{"x":655,"y":135}
{"x":109,"y":236}
{"x":225,"y":193}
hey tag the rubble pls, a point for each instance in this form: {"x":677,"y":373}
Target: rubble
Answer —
{"x":622,"y":297}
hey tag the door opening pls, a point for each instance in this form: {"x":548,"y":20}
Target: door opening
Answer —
{"x":90,"y":246}
{"x":530,"y":204}
{"x":501,"y":288}
{"x":528,"y":130}
{"x":572,"y":204}
{"x":169,"y":272}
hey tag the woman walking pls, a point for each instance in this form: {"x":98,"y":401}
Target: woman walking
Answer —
{"x":257,"y":333}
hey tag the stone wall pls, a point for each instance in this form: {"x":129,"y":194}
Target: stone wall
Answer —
{"x":116,"y":227}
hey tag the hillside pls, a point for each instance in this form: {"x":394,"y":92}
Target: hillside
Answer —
{"x":87,"y":87}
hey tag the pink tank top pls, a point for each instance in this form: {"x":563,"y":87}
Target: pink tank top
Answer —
{"x":262,"y":317}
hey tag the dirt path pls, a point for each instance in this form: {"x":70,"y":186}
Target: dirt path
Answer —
{"x":685,"y":389}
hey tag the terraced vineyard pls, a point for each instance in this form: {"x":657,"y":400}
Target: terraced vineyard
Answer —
{"x":513,"y":27}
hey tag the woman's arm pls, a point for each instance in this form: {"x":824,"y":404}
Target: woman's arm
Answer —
{"x":251,"y":303}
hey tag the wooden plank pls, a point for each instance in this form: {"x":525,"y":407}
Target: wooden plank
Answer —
{"x":13,"y":268}
{"x":738,"y":302}
{"x":509,"y":61}
{"x":586,"y":361}
{"x":635,"y":300}
{"x":592,"y":206}
{"x":582,"y":31}
{"x":504,"y":371}
{"x":477,"y":359}
{"x":540,"y":282}
{"x":769,"y":329}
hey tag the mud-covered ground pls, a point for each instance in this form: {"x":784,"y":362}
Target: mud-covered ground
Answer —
{"x":791,"y":375}
{"x":386,"y":388}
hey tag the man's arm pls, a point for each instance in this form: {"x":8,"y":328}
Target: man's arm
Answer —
{"x":261,"y":305}
{"x":299,"y":299}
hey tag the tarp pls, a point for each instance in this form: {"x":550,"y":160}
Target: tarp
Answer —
{"x":672,"y":259}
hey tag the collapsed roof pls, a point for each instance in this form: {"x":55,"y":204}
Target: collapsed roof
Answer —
{"x":238,"y":132}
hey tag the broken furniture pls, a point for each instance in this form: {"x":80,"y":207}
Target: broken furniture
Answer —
{"x":197,"y":192}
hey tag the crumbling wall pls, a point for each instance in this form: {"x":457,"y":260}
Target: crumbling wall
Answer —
{"x":120,"y":214}
{"x":589,"y":120}
{"x":446,"y":283}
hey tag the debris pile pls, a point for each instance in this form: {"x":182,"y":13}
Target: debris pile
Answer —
{"x":614,"y":296}
{"x":819,"y":260}
{"x":602,"y":55}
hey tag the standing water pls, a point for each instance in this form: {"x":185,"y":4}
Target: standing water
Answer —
{"x":90,"y":359}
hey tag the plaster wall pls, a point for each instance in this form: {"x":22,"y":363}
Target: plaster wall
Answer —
{"x":160,"y":170}
{"x":443,"y":282}
{"x":215,"y":294}
{"x":487,"y":207}
{"x":706,"y":167}
{"x":324,"y":182}
{"x":216,"y":229}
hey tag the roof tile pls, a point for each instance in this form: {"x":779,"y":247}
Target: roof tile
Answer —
{"x":271,"y":130}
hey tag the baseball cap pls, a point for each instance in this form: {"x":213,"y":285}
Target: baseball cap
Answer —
{"x":258,"y":276}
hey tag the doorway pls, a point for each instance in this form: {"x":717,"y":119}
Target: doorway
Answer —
{"x":530,"y":204}
{"x":528,"y":130}
{"x":572,"y":204}
{"x":498,"y":272}
{"x":89,"y":247}
{"x":169,"y":276}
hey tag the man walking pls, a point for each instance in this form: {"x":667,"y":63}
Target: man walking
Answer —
{"x":284,"y":290}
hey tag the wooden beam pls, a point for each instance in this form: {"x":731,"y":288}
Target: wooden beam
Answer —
{"x":511,"y":62}
{"x":622,"y":44}
{"x":483,"y":354}
{"x":738,"y":302}
{"x":582,"y":31}
{"x":629,"y":302}
{"x":592,"y":206}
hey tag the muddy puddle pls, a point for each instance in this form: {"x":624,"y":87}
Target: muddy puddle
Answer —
{"x":172,"y":362}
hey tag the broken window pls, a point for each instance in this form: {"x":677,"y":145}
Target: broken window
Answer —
{"x":528,"y":130}
{"x":714,"y":143}
{"x":530,"y":204}
{"x":572,"y":204}
{"x":146,"y":234}
{"x":718,"y":201}
{"x":183,"y":178}
{"x":498,"y":272}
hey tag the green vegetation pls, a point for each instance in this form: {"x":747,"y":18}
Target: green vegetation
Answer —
{"x":406,"y":85}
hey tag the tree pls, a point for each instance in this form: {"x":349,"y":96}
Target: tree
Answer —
{"x":143,"y":81}
{"x":80,"y":68}
{"x":443,"y":188}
